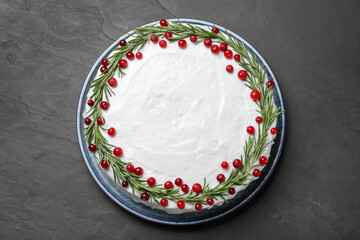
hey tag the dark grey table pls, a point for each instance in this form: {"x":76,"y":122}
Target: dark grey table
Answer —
{"x":46,"y":51}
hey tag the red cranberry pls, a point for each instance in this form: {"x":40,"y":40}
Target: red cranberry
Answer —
{"x":123,"y":63}
{"x":273,"y":131}
{"x":111,"y":131}
{"x":178,"y":182}
{"x":122,"y":43}
{"x":215,"y":30}
{"x":196,"y":188}
{"x":237,"y":163}
{"x":198,"y":206}
{"x":224,"y":165}
{"x":255,"y":95}
{"x":193,"y":38}
{"x":90,"y":102}
{"x":250,"y":130}
{"x":87,"y":121}
{"x":162,"y":44}
{"x":92,"y":147}
{"x":164,"y":202}
{"x":256,"y":172}
{"x":228,"y":54}
{"x":105,"y":62}
{"x":117,"y":151}
{"x":215,"y":49}
{"x":168,"y":185}
{"x":210,"y":201}
{"x":180,"y":204}
{"x":151,"y":181}
{"x":263,"y":160}
{"x":154,"y":38}
{"x":138,"y":171}
{"x":100,"y":121}
{"x":125,"y":184}
{"x":258,"y":119}
{"x":208,"y":42}
{"x":145,"y":196}
{"x":231,"y":191}
{"x":139,"y":55}
{"x":163,"y":23}
{"x":103,"y":69}
{"x":229,"y":68}
{"x":130,"y":167}
{"x":185,"y":188}
{"x":112,"y":82}
{"x":223,"y":47}
{"x":237,"y":57}
{"x":242,"y":74}
{"x":104,"y":105}
{"x":168,"y":35}
{"x":182,"y":43}
{"x":104,"y":164}
{"x":270,"y":84}
{"x":220,"y":177}
{"x":130,"y":55}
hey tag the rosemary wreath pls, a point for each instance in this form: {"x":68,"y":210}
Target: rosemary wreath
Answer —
{"x":253,"y":148}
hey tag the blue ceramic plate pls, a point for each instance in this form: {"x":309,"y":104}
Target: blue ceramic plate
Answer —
{"x":124,"y":200}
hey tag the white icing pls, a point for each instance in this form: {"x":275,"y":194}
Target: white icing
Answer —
{"x":179,"y":113}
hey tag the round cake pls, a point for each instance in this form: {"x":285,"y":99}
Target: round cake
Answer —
{"x":181,"y":116}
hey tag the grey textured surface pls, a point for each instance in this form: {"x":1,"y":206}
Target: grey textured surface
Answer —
{"x":46,"y":51}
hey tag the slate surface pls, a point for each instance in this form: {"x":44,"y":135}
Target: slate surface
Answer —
{"x":46,"y":51}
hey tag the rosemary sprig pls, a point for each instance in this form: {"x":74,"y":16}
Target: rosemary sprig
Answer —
{"x":253,"y":148}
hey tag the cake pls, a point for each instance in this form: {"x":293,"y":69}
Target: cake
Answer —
{"x":181,"y":116}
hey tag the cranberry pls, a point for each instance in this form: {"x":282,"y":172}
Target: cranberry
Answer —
{"x":111,"y":131}
{"x":208,"y":42}
{"x":104,"y":105}
{"x":130,"y":55}
{"x":87,"y":121}
{"x":237,"y":57}
{"x":103,"y":69}
{"x":231,"y":191}
{"x":164,"y":202}
{"x":185,"y":188}
{"x":228,"y":54}
{"x":145,"y":196}
{"x":237,"y":163}
{"x":270,"y":84}
{"x":198,"y":206}
{"x":130,"y":167}
{"x":151,"y":181}
{"x":168,"y":185}
{"x":220,"y":177}
{"x":168,"y":35}
{"x":123,"y":63}
{"x":242,"y":74}
{"x":196,"y":188}
{"x":100,"y":121}
{"x":112,"y":82}
{"x":273,"y":131}
{"x":258,"y":119}
{"x":92,"y":147}
{"x":182,"y":43}
{"x":125,"y":184}
{"x":162,"y":44}
{"x":210,"y":201}
{"x":250,"y":130}
{"x":154,"y":38}
{"x":229,"y":68}
{"x":263,"y":160}
{"x":180,"y":204}
{"x":105,"y":62}
{"x":215,"y":30}
{"x":104,"y":164}
{"x":163,"y":23}
{"x":139,"y":55}
{"x":256,"y":172}
{"x":215,"y":49}
{"x":224,"y":165}
{"x":117,"y":151}
{"x":223,"y":47}
{"x":178,"y":182}
{"x":138,"y":171}
{"x":122,"y":43}
{"x":193,"y":38}
{"x":90,"y":102}
{"x":255,"y":95}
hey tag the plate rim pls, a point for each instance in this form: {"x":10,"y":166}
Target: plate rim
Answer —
{"x":153,"y":219}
